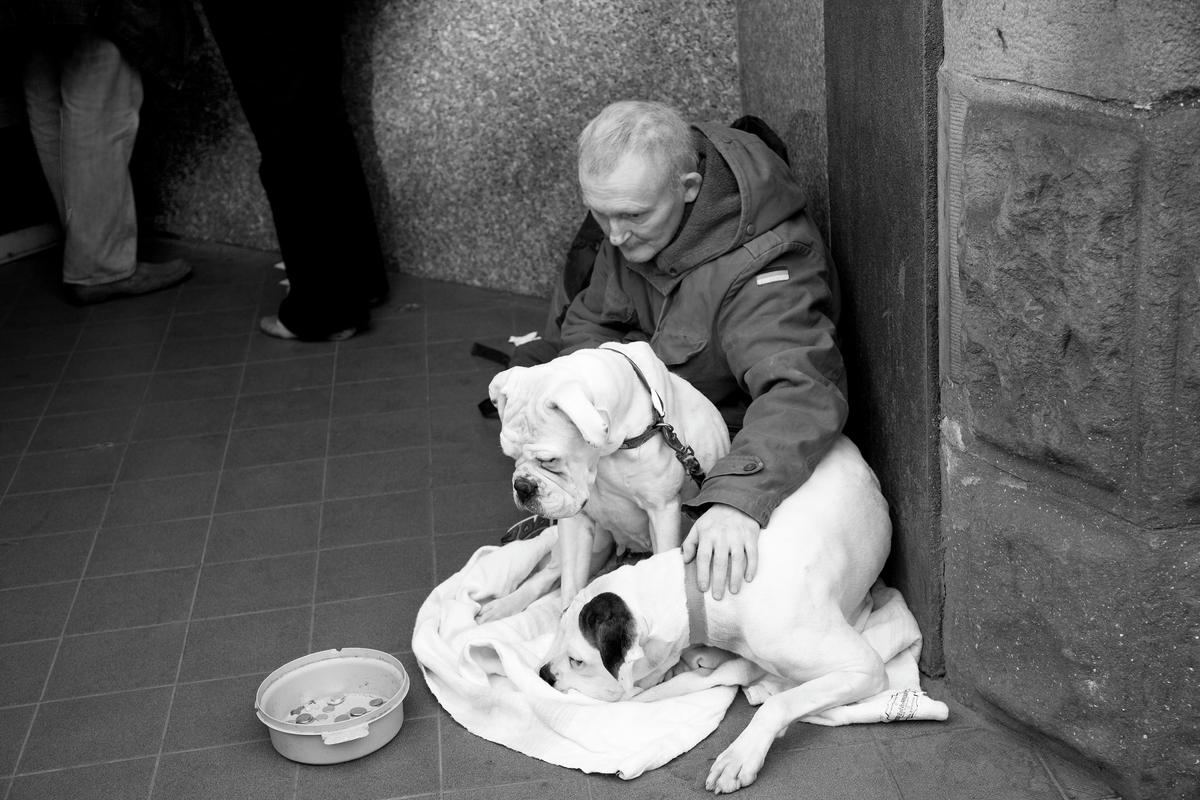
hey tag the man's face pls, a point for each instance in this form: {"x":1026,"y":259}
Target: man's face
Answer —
{"x":639,"y":205}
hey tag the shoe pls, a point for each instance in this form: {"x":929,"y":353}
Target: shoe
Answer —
{"x":526,"y":529}
{"x":271,"y":326}
{"x":146,"y":278}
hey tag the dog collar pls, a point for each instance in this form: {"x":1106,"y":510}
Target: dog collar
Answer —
{"x":659,"y":425}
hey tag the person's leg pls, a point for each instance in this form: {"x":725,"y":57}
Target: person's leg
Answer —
{"x":101,"y":101}
{"x":285,"y":63}
{"x":43,"y":108}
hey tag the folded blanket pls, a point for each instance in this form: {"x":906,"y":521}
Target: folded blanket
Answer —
{"x":485,"y":676}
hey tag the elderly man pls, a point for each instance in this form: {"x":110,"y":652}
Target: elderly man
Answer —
{"x":710,"y":256}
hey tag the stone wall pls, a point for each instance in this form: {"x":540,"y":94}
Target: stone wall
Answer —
{"x":467,"y":113}
{"x":1071,"y":375}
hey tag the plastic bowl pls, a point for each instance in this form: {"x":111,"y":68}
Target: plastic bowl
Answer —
{"x":312,"y":679}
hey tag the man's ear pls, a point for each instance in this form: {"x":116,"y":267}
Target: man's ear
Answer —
{"x":607,"y":624}
{"x":691,"y":186}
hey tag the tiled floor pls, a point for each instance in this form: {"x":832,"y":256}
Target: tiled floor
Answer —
{"x":187,"y":504}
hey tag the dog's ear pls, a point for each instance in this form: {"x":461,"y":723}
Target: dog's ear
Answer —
{"x":607,"y":625}
{"x":496,"y":391}
{"x":592,"y":422}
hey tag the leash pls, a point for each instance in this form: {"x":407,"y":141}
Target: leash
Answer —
{"x":659,"y":426}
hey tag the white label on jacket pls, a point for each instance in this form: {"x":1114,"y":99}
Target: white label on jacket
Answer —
{"x":774,"y":276}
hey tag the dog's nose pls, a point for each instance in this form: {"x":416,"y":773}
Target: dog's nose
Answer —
{"x":546,"y":674}
{"x":524,"y":488}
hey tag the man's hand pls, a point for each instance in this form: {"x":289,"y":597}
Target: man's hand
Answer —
{"x":724,"y":543}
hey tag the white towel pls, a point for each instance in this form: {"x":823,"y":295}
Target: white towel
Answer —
{"x":485,"y":676}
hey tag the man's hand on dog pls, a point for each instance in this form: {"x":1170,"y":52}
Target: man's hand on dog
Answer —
{"x":724,"y":543}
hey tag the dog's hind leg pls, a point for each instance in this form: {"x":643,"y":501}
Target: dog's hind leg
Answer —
{"x":859,"y":675}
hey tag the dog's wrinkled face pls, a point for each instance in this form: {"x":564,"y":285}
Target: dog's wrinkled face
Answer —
{"x":554,"y":436}
{"x":594,"y":649}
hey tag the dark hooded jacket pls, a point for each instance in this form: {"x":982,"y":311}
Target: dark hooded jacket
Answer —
{"x":744,"y":304}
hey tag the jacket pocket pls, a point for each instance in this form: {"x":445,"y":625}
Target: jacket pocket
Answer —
{"x":678,"y":347}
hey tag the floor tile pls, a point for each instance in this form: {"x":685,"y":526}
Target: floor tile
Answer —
{"x":86,"y":365}
{"x":35,"y":612}
{"x":968,"y":765}
{"x":383,"y":622}
{"x":140,"y":598}
{"x":248,"y":643}
{"x":107,"y":334}
{"x":185,"y":418}
{"x":570,"y":789}
{"x":264,"y":532}
{"x":23,"y":670}
{"x":379,"y":397}
{"x":118,"y":779}
{"x":285,"y":375}
{"x":408,"y":764}
{"x":87,"y":429}
{"x":68,"y":469}
{"x":101,"y":728}
{"x":383,"y":568}
{"x":39,"y":341}
{"x":252,"y":771}
{"x":213,"y":713}
{"x":14,"y":725}
{"x":143,"y":502}
{"x":75,"y":396}
{"x":27,"y":401}
{"x":225,"y":323}
{"x":198,"y":353}
{"x":194,"y":384}
{"x":481,"y":463}
{"x":31,"y":370}
{"x":114,"y":661}
{"x":401,"y":515}
{"x":52,"y":512}
{"x":162,"y":458}
{"x":158,"y":545}
{"x":376,"y":473}
{"x":472,"y":507}
{"x":275,"y":408}
{"x":479,"y":762}
{"x":273,"y":485}
{"x":251,"y":447}
{"x":43,"y":559}
{"x":374,"y":432}
{"x":380,"y":363}
{"x":239,"y":587}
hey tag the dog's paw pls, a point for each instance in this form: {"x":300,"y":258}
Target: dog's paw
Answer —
{"x":736,"y":768}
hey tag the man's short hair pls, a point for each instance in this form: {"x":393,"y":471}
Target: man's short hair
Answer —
{"x":635,"y":127}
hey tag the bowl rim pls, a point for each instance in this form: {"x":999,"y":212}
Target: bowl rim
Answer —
{"x":310,"y":729}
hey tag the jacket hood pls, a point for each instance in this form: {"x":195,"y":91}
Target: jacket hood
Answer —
{"x":746,"y":191}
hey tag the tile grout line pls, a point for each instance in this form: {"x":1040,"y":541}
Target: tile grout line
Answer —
{"x":166,"y":725}
{"x":37,"y":705}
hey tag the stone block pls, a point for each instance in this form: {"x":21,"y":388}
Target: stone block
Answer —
{"x":1074,"y":622}
{"x":1133,"y":52}
{"x":1072,"y":231}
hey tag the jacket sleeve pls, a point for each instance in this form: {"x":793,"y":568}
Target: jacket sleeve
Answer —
{"x":778,"y":332}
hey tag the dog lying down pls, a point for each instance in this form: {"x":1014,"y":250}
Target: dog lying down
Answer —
{"x":585,"y":433}
{"x":627,"y":634}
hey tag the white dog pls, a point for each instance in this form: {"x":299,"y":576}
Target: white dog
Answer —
{"x":585,"y":432}
{"x":798,"y":620}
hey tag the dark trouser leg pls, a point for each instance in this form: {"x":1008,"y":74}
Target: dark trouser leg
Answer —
{"x":285,"y":62}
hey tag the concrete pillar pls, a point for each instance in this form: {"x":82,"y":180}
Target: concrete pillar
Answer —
{"x":1070,"y":361}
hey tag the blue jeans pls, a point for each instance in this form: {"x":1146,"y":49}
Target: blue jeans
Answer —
{"x":83,"y":98}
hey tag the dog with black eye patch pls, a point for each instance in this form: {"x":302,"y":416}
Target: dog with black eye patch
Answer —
{"x":585,"y":434}
{"x":799,"y":620}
